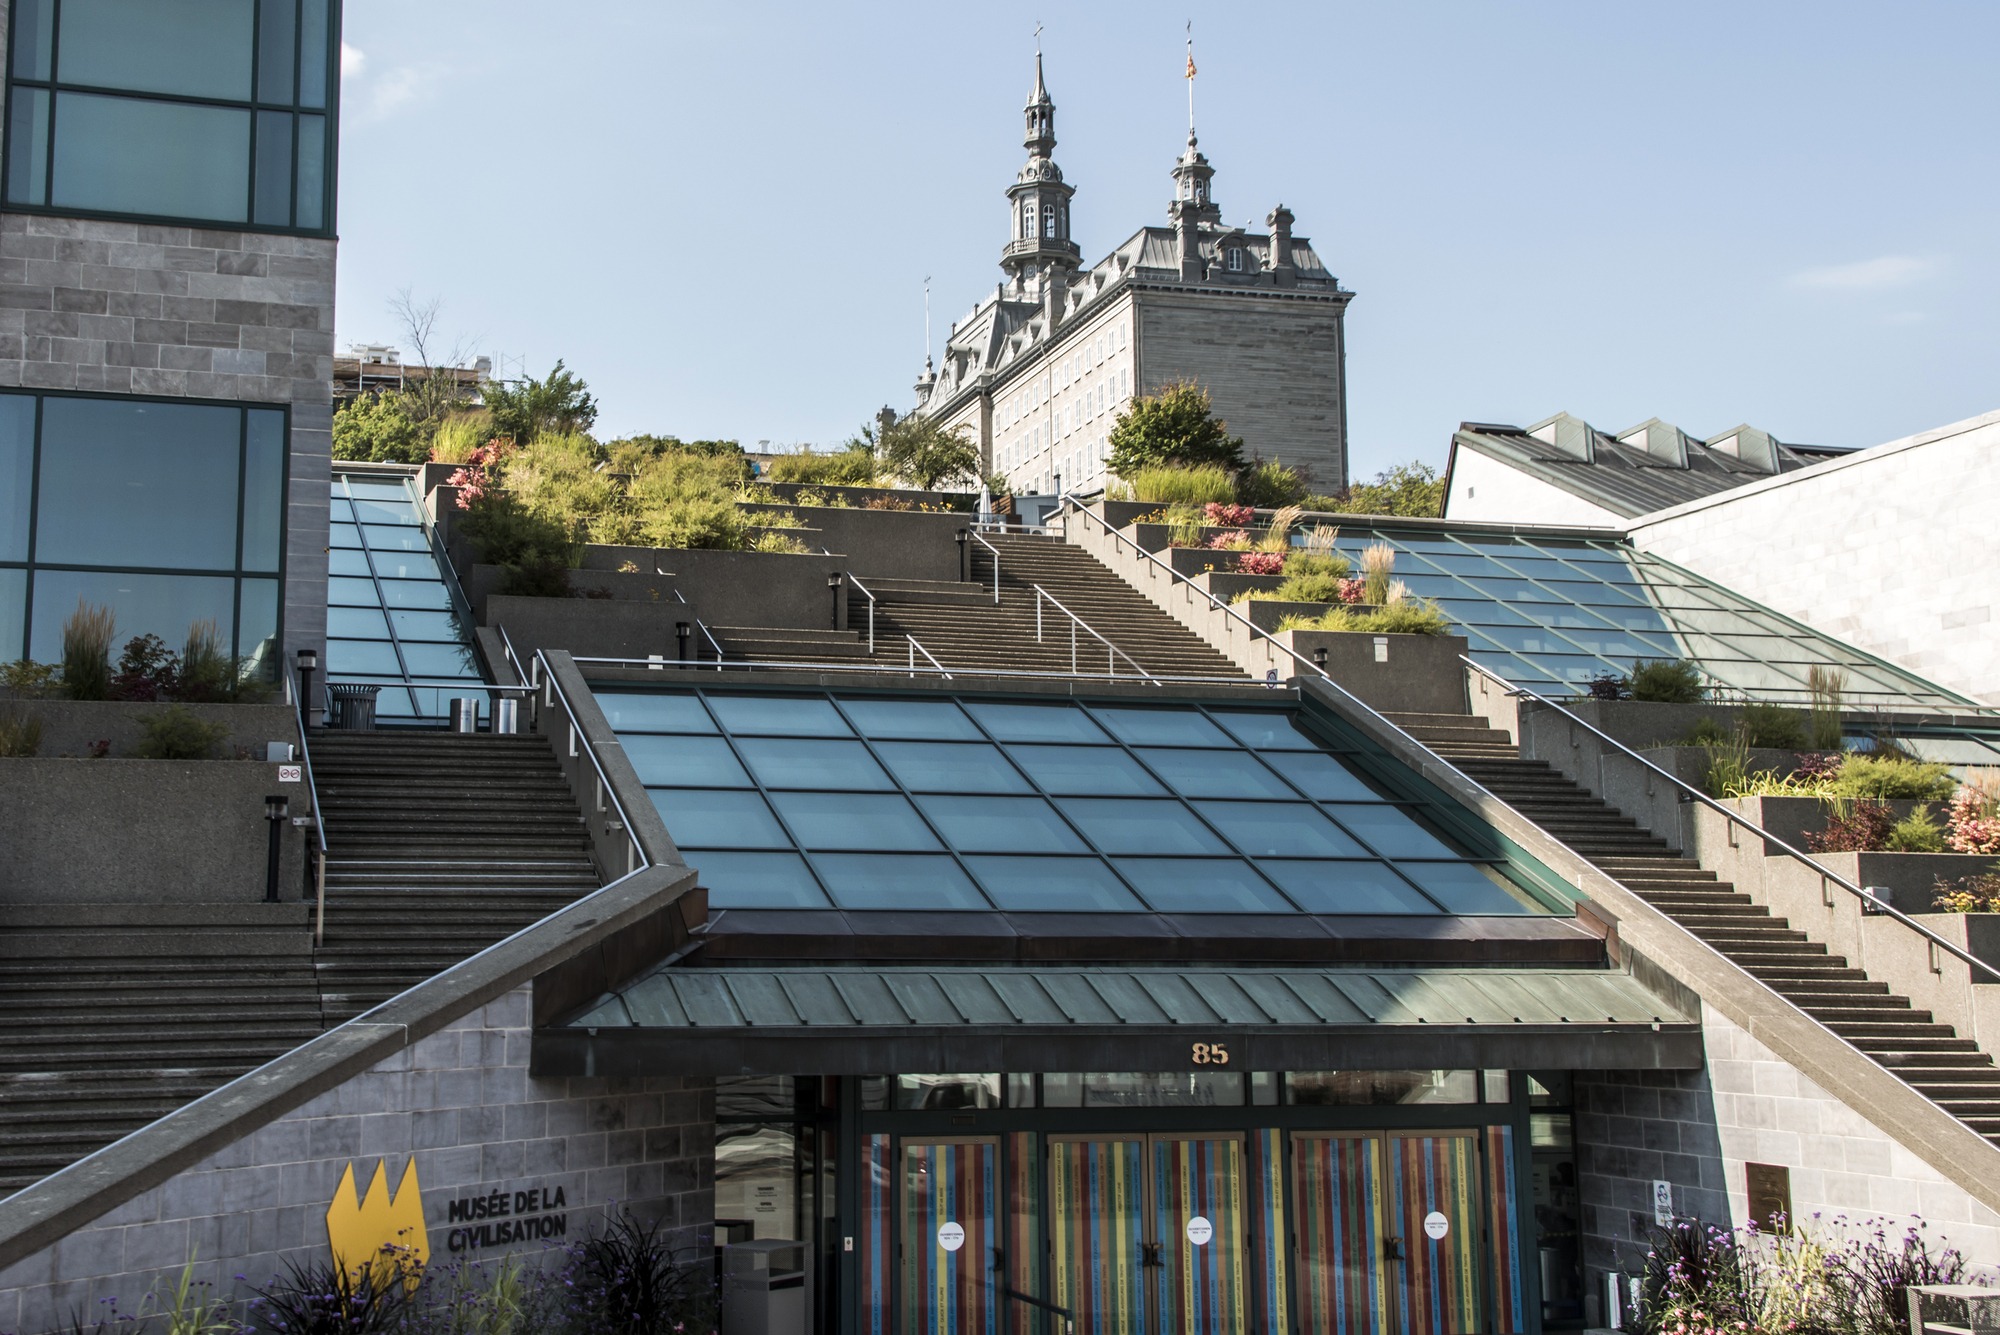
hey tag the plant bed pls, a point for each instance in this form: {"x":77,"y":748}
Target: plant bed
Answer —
{"x":1909,"y":878}
{"x":960,"y":502}
{"x":1392,"y":673}
{"x":1227,"y":584}
{"x":72,"y":728}
{"x":1794,"y":819}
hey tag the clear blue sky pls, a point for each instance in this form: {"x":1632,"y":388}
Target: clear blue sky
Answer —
{"x":722,"y":215}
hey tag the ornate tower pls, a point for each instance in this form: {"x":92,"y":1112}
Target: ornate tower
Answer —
{"x":1040,"y":249}
{"x":1192,"y":177}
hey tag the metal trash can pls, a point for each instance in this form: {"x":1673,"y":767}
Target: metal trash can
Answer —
{"x":764,"y":1287}
{"x":351,"y":706}
{"x":465,"y":714}
{"x":507,"y":715}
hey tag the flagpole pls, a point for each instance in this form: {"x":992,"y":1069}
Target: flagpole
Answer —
{"x":1190,"y":74}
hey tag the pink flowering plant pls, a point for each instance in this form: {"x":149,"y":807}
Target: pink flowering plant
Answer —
{"x":1231,"y":516}
{"x":1972,"y":820}
{"x":1353,"y":589}
{"x":1260,"y":563}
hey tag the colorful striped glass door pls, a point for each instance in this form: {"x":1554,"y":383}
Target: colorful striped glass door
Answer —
{"x":1339,"y":1199}
{"x":1096,"y":1212}
{"x":1198,"y":1223}
{"x":1434,"y":1207}
{"x":949,"y":1192}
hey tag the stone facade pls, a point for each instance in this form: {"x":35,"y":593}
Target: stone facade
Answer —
{"x":1886,"y":549}
{"x":460,"y":1103}
{"x":1698,"y":1129}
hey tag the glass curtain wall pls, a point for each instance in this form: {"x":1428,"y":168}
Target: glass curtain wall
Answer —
{"x":216,"y":111}
{"x":167,"y":513}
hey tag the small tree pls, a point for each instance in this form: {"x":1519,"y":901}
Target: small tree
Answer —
{"x":558,"y":404}
{"x":1413,"y":490}
{"x":918,"y":450}
{"x":1176,"y":427}
{"x":378,"y":428}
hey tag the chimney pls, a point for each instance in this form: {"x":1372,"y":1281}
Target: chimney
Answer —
{"x":1280,"y":220}
{"x":1055,"y":287}
{"x":1187,"y":216}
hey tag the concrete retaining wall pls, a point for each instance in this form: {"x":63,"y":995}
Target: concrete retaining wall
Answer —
{"x":72,"y":727}
{"x":890,"y":544}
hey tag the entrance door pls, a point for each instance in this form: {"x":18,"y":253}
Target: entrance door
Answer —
{"x":1097,"y":1233}
{"x":1387,"y":1233}
{"x":949,"y":1190}
{"x":1197,"y":1187}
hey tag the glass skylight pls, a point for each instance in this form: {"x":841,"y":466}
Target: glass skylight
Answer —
{"x":982,"y":804}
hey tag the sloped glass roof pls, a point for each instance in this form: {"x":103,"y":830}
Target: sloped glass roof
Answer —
{"x":1544,"y":611}
{"x":391,"y":618}
{"x":965,"y":803}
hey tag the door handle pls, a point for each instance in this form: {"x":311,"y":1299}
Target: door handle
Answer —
{"x":1392,"y":1249}
{"x":1150,"y":1254}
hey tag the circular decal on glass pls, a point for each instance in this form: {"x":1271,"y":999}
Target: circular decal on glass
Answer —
{"x":1199,"y":1231}
{"x":951,"y":1236}
{"x":1436,"y":1226}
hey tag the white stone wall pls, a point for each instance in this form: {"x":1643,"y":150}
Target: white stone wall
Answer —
{"x":1891,"y":549}
{"x":1486,"y":490}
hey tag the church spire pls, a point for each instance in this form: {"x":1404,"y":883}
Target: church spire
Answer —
{"x":1040,"y":251}
{"x":1192,"y":174}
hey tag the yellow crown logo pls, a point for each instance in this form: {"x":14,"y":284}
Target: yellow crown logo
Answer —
{"x":379,"y":1232}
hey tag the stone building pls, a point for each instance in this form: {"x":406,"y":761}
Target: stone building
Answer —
{"x":1040,"y":369}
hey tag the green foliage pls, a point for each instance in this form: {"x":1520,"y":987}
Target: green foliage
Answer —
{"x":1269,"y":485}
{"x":206,"y":671}
{"x":458,"y":435}
{"x":1918,"y":832}
{"x":627,"y":449}
{"x":1410,"y":616}
{"x":191,"y":1308}
{"x":1728,"y":769}
{"x":926,"y":454}
{"x":378,"y":428}
{"x":1706,"y":731}
{"x":1413,"y":490}
{"x":1378,"y":564}
{"x":176,"y":734}
{"x":86,"y":651}
{"x":1828,"y":687}
{"x":558,"y":404}
{"x":1174,"y":485}
{"x":26,"y":677}
{"x":778,"y":542}
{"x":1176,"y":427}
{"x":534,"y":551}
{"x":1887,"y":777}
{"x":1673,"y":681}
{"x":1772,"y":726}
{"x":20,"y":732}
{"x":1307,"y":561}
{"x":695,"y":521}
{"x":1305,"y":587}
{"x":851,"y":467}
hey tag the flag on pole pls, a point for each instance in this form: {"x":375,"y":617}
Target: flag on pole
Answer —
{"x":1190,"y":72}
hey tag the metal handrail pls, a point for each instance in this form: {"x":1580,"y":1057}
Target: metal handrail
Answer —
{"x":507,"y":651}
{"x":1870,"y":903}
{"x":849,"y":577}
{"x":296,"y":688}
{"x":699,"y":624}
{"x":553,"y":693}
{"x":850,"y":665}
{"x":978,"y":538}
{"x":1113,"y":652}
{"x":916,"y":649}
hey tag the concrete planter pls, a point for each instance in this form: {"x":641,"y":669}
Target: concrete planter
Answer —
{"x":1793,"y":818}
{"x":1641,"y":724}
{"x":73,"y":727}
{"x":964,"y":503}
{"x":1910,"y":878}
{"x":1226,"y":585}
{"x":1418,"y":674}
{"x":142,"y":832}
{"x":889,"y":544}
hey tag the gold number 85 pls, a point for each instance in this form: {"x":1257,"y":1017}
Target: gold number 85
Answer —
{"x":1211,"y":1054}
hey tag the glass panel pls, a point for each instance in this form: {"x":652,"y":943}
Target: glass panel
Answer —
{"x":756,"y":1180}
{"x":17,"y":474}
{"x":144,"y":484}
{"x":362,"y":657}
{"x":1320,"y":775}
{"x":958,"y":767}
{"x":314,"y":55}
{"x":426,"y":625}
{"x":162,"y":605}
{"x":911,"y":882}
{"x":1142,"y":1089}
{"x":430,"y":594}
{"x":276,"y":23}
{"x":653,"y":713}
{"x":1121,"y":825}
{"x":1051,"y":885}
{"x":1001,"y":825}
{"x":343,"y":535}
{"x":1097,"y":1255}
{"x":377,"y":508}
{"x":352,"y":592}
{"x":312,"y":173}
{"x":1202,"y":1179}
{"x":1215,"y":773}
{"x":441,"y":660}
{"x":759,"y":881}
{"x":33,"y":22}
{"x":1468,"y":888}
{"x":1391,"y":831}
{"x":1162,"y":727}
{"x":1035,"y":723}
{"x":693,"y":762}
{"x":862,"y":821}
{"x":783,"y":715}
{"x":766,"y":1097}
{"x":793,"y":762}
{"x":257,"y":629}
{"x":1201,"y":885}
{"x":125,"y":155}
{"x":357,"y":623}
{"x":936,"y":719}
{"x":197,"y":48}
{"x":274,"y":169}
{"x":1264,"y":730}
{"x":912,"y":1093}
{"x":1279,"y":829}
{"x":1321,"y":1089}
{"x":13,"y":608}
{"x":1085,"y":770}
{"x":386,"y":538}
{"x":263,"y":488}
{"x":1347,"y":887}
{"x":701,"y":819}
{"x":28,"y":148}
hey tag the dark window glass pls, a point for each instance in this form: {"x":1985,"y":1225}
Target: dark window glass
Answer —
{"x":1001,"y":825}
{"x":841,"y":821}
{"x":951,"y":767}
{"x":162,"y":605}
{"x":1215,"y":773}
{"x":17,"y":476}
{"x":1320,"y":775}
{"x":797,"y":762}
{"x":263,"y":488}
{"x":1052,"y":885}
{"x":362,"y":658}
{"x":385,"y":538}
{"x":654,"y":713}
{"x":759,"y":881}
{"x":440,"y":660}
{"x":274,"y":169}
{"x":1264,"y":731}
{"x":1035,"y":723}
{"x":1377,"y":1088}
{"x":910,"y":882}
{"x":1201,"y":885}
{"x":1347,"y":887}
{"x":129,"y":155}
{"x":1118,"y":825}
{"x":256,"y":628}
{"x":939,"y":720}
{"x":1279,"y":829}
{"x":28,"y":147}
{"x":1085,"y":770}
{"x":701,"y":819}
{"x":196,"y":48}
{"x":33,"y":22}
{"x":313,"y":53}
{"x":1391,"y":831}
{"x":427,"y":626}
{"x":690,"y":762}
{"x":1162,"y":727}
{"x":13,"y":607}
{"x":133,"y":483}
{"x":780,"y":715}
{"x":1467,"y":887}
{"x":312,"y":174}
{"x":276,"y":35}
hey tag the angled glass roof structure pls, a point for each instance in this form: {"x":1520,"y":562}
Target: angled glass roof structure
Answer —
{"x":1543,"y":610}
{"x":1049,"y":805}
{"x":393,"y":616}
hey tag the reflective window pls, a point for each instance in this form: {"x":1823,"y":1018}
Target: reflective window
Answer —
{"x":200,"y":110}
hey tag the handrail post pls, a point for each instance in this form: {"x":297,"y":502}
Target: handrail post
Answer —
{"x":871,"y":624}
{"x":1072,"y":648}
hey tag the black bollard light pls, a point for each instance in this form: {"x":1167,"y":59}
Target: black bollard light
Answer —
{"x":277,"y":810}
{"x":1319,"y":658}
{"x":833,"y":583}
{"x":308,"y":661}
{"x":681,"y":633}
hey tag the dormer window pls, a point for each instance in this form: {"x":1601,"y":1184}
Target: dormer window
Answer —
{"x":1049,"y":222}
{"x":1028,"y":220}
{"x":1236,"y":259}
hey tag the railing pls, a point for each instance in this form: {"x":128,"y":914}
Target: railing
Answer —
{"x":552,"y":695}
{"x":937,"y":669}
{"x":297,"y":691}
{"x":916,"y":649}
{"x":438,"y":684}
{"x":1870,"y":902}
{"x":507,"y":652}
{"x":1112,"y":653}
{"x":697,"y":622}
{"x":980,"y":538}
{"x":871,"y":608}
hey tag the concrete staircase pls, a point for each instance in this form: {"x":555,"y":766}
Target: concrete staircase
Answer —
{"x":1931,"y":1057}
{"x":112,"y":1016}
{"x":438,"y":845}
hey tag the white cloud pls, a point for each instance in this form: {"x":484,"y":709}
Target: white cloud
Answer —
{"x":352,"y":62}
{"x":1876,"y":275}
{"x":393,"y":91}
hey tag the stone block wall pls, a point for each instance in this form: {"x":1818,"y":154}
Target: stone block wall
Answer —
{"x":1886,"y":549}
{"x":463,"y":1106}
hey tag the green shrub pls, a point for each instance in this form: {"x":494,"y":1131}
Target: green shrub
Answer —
{"x":1673,"y":681}
{"x":1305,"y":587}
{"x":1307,"y":561}
{"x":1918,"y":832}
{"x":1270,"y":485}
{"x":20,"y":732}
{"x":843,"y":468}
{"x":778,"y":542}
{"x":86,"y":649}
{"x":207,"y":672}
{"x":1727,"y":773}
{"x":1773,"y":726}
{"x":26,"y":677}
{"x":459,"y":434}
{"x":1706,"y":732}
{"x":176,"y":734}
{"x":1167,"y":485}
{"x":1411,"y":616}
{"x":1886,"y":777}
{"x":696,"y":522}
